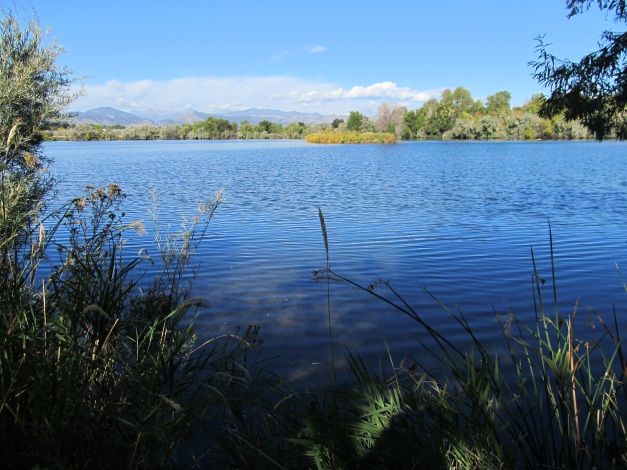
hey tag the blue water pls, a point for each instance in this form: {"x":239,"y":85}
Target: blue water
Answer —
{"x":458,"y":219}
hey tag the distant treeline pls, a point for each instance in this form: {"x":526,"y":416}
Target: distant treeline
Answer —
{"x":211,"y":128}
{"x":458,"y":116}
{"x":455,"y":116}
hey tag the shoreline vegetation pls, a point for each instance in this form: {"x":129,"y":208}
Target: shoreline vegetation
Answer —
{"x":455,"y":116}
{"x":101,"y":367}
{"x":351,"y":138}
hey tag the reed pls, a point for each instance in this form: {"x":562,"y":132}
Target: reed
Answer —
{"x":351,"y":137}
{"x":97,"y":366}
{"x":554,"y":401}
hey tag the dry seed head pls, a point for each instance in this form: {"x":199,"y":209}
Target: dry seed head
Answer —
{"x":13,"y":131}
{"x":31,"y":160}
{"x":79,"y":202}
{"x":98,"y":310}
{"x":138,"y":226}
{"x":114,"y":190}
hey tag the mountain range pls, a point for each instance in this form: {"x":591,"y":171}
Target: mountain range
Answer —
{"x":110,"y":117}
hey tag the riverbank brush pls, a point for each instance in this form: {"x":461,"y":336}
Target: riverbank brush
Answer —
{"x":99,"y":366}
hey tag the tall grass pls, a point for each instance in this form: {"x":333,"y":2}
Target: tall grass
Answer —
{"x":555,"y":400}
{"x":100,"y":369}
{"x":351,"y":137}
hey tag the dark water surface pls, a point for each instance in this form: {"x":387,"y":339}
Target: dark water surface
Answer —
{"x":457,"y":218}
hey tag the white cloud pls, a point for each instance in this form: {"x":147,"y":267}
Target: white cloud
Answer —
{"x":317,"y":49}
{"x":384,"y":90}
{"x":214,"y":94}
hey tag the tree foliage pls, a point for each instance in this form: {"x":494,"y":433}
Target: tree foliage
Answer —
{"x":457,"y":115}
{"x":619,"y":7}
{"x":355,"y":121}
{"x":351,"y":137}
{"x":34,"y":92}
{"x":211,"y":128}
{"x":498,"y":103}
{"x":593,"y":90}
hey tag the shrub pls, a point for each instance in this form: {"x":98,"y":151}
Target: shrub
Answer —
{"x":96,"y":368}
{"x":350,"y":137}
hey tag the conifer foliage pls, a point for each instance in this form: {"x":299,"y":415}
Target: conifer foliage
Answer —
{"x":593,"y":90}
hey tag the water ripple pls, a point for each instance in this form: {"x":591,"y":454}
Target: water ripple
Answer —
{"x":457,"y":219}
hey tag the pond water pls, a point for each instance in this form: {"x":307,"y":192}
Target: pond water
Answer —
{"x":456,"y":218}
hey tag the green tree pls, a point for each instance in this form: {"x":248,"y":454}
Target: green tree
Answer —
{"x":593,"y":90}
{"x":83,"y":132}
{"x":267,"y":129}
{"x":336,"y":123}
{"x":487,"y":127}
{"x":223,"y":129}
{"x":213,"y":128}
{"x":498,"y":103}
{"x":367,"y":125}
{"x":170,"y":132}
{"x":535,"y":104}
{"x":530,"y":125}
{"x":295,"y":130}
{"x":446,"y":112}
{"x":414,"y":123}
{"x":512,"y":126}
{"x":276,"y":128}
{"x":355,"y":121}
{"x":34,"y":93}
{"x":547,"y":130}
{"x":463,"y":103}
{"x":464,"y":129}
{"x":144,"y":133}
{"x":569,"y":130}
{"x":440,"y":116}
{"x":246,"y":130}
{"x":265,"y":126}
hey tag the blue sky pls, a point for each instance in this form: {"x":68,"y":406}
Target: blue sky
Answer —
{"x":325,"y":56}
